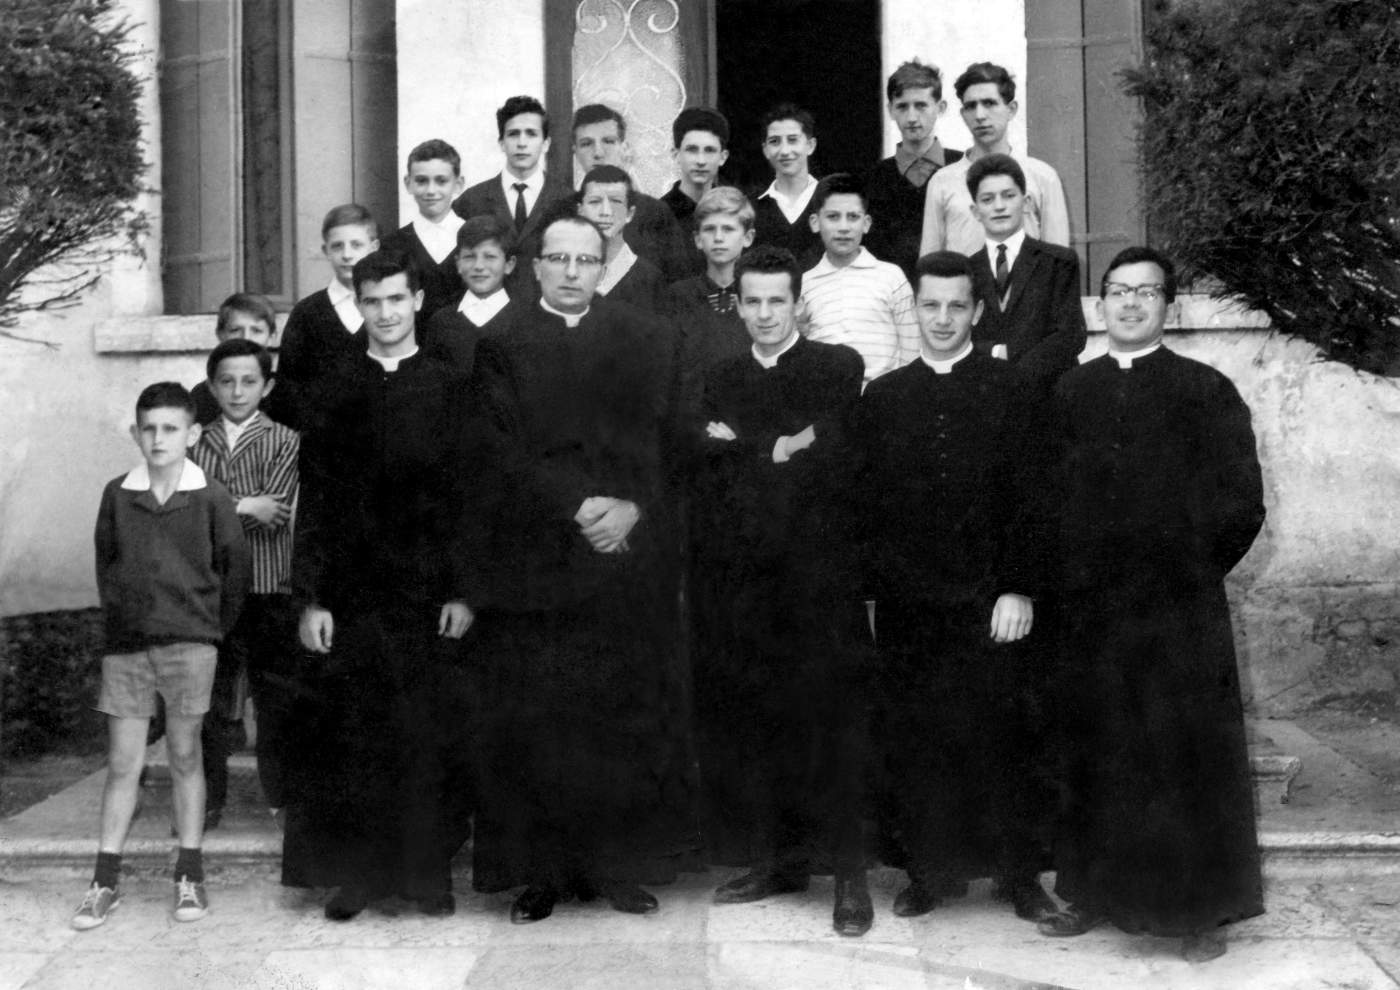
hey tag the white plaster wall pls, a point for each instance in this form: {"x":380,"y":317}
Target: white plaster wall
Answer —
{"x":469,"y":56}
{"x":952,"y":34}
{"x":63,"y":433}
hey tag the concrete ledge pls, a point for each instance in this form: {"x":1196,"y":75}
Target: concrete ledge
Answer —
{"x":159,"y":334}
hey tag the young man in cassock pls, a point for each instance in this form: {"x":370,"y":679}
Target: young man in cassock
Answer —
{"x":956,"y":534}
{"x":1161,"y":498}
{"x":779,"y":710}
{"x":586,"y":787}
{"x":384,"y":796}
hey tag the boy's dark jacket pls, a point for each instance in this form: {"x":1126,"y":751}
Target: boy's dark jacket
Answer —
{"x":172,"y":573}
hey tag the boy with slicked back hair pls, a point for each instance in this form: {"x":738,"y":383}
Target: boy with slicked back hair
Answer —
{"x":321,"y":330}
{"x":783,"y":211}
{"x":700,"y":139}
{"x":895,"y":187}
{"x":434,"y":179}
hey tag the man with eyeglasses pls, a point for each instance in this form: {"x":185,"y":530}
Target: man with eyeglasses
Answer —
{"x":586,"y":787}
{"x":1162,"y":496}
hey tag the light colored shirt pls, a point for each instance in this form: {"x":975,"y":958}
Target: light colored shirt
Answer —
{"x":343,"y":300}
{"x":232,"y":430}
{"x":792,"y":206}
{"x":481,"y":309}
{"x":390,"y":364}
{"x":950,"y":226}
{"x":768,"y":363}
{"x":534,"y":185}
{"x":1013,"y":246}
{"x":1125,"y":359}
{"x":617,"y":268}
{"x":440,"y":239}
{"x":867,"y":305}
{"x":944,"y":366}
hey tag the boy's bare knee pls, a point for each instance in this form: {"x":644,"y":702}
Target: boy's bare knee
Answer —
{"x":182,"y":745}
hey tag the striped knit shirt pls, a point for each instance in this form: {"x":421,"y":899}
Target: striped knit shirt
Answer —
{"x":867,"y":305}
{"x":263,"y":462}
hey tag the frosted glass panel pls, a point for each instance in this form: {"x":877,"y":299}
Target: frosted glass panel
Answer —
{"x":629,"y":55}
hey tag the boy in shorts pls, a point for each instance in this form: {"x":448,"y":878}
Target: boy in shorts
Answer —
{"x":172,"y":570}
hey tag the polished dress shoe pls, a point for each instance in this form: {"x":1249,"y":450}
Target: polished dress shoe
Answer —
{"x":1069,"y":922}
{"x":916,"y":899}
{"x":347,"y":902}
{"x":757,"y":885}
{"x":628,"y":898}
{"x":853,"y":913}
{"x":1203,"y":947}
{"x":1027,"y":897}
{"x":533,"y":904}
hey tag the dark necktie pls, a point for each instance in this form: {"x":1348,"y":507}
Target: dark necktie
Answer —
{"x":519,"y":188}
{"x":1002,"y":271}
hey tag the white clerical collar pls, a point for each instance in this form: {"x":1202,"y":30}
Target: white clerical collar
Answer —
{"x":1013,"y":248}
{"x":232,"y":430}
{"x":617,"y":268}
{"x":571,"y":320}
{"x":943,"y":366}
{"x":391,"y":364}
{"x":1125,"y":359}
{"x":343,"y":302}
{"x":439,"y":237}
{"x":481,"y":309}
{"x":772,"y":362}
{"x":138,"y":479}
{"x":792,"y":206}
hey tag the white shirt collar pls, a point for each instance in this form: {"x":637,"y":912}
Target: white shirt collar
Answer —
{"x":864,"y":259}
{"x":1014,"y":243}
{"x":481,"y":309}
{"x":533,"y":184}
{"x":232,"y":430}
{"x":138,"y":479}
{"x":772,"y":362}
{"x":943,"y":366}
{"x":617,"y":268}
{"x":390,"y":364}
{"x":571,"y":320}
{"x":1125,"y":359}
{"x":792,"y":206}
{"x":438,"y":237}
{"x":343,"y":301}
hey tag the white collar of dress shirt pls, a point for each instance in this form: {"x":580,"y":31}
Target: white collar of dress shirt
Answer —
{"x":138,"y":479}
{"x":534,"y":182}
{"x":943,"y":366}
{"x":863,"y":259}
{"x":617,"y":268}
{"x":1125,"y":359}
{"x":571,"y":320}
{"x":345,"y":306}
{"x":390,"y":364}
{"x":232,"y":430}
{"x":1014,"y":243}
{"x":339,"y":293}
{"x":792,"y":206}
{"x":772,"y":362}
{"x":479,"y":309}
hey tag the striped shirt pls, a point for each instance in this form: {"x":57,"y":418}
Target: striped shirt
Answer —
{"x":866,"y":305}
{"x":262,"y":462}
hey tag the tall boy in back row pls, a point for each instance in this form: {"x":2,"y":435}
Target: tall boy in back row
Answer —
{"x":783,"y":212}
{"x":434,"y":179}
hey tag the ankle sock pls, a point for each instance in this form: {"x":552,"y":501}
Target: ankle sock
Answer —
{"x":109,"y":869}
{"x":190,"y":865}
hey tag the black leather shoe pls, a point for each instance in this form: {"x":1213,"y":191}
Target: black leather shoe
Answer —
{"x":916,"y":899}
{"x":533,"y":904}
{"x":628,"y":898}
{"x":853,"y":914}
{"x":441,"y":906}
{"x":1028,"y":898}
{"x":755,"y":886}
{"x":347,"y":902}
{"x":1069,"y":922}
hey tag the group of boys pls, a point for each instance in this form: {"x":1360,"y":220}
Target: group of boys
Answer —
{"x":581,"y":504}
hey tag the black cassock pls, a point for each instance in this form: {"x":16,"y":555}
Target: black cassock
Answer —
{"x":777,"y":664}
{"x":382,"y":788}
{"x":952,"y":493}
{"x":587,"y":769}
{"x":1162,"y":497}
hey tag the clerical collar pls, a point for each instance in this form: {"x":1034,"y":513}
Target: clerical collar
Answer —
{"x":1125,"y":359}
{"x":772,"y":362}
{"x":391,"y":364}
{"x":943,"y":366}
{"x":571,"y":320}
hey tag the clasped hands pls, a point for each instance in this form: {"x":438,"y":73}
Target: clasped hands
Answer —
{"x":606,"y":522}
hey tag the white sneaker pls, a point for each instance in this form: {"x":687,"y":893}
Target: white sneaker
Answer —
{"x":98,"y":902}
{"x":191,"y":903}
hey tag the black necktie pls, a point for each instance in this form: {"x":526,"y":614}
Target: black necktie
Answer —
{"x":519,"y":188}
{"x":1002,"y":271}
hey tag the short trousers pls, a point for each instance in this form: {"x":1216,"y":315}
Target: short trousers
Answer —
{"x":183,"y":673}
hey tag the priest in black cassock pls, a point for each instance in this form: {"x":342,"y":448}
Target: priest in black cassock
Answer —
{"x":779,"y":710}
{"x":587,"y":786}
{"x":1161,"y":498}
{"x":956,"y":532}
{"x":384,"y":794}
